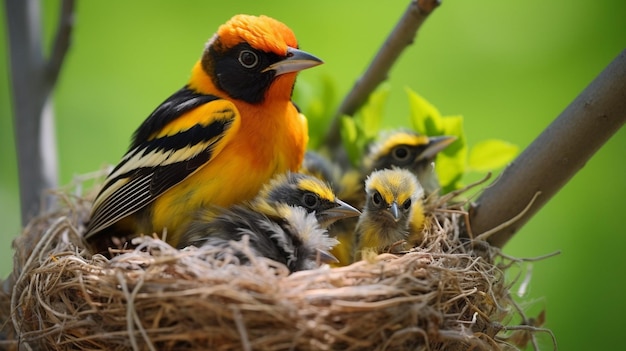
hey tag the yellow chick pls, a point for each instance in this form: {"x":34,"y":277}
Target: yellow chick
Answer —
{"x":409,"y":150}
{"x":286,"y":222}
{"x":393,"y":217}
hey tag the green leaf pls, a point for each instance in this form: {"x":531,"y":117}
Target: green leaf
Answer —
{"x":453,"y":126}
{"x":425,"y":118}
{"x":317,"y":100}
{"x":350,"y":135}
{"x":371,"y":114}
{"x":451,"y":163}
{"x":491,"y":154}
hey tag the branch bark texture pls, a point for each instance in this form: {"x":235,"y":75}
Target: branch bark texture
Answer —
{"x":402,"y":36}
{"x":555,"y":156}
{"x":33,"y":77}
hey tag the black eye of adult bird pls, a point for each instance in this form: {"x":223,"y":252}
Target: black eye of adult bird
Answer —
{"x":246,"y":73}
{"x":248,"y":59}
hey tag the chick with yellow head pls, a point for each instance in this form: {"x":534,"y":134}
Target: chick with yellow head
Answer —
{"x":409,"y":150}
{"x":286,"y":222}
{"x":393,"y":217}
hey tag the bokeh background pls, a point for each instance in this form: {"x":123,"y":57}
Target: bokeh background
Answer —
{"x":509,"y":67}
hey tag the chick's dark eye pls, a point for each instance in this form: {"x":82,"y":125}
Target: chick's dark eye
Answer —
{"x":400,"y":153}
{"x":407,"y":204}
{"x":377,"y":199}
{"x":248,"y":59}
{"x":310,"y":200}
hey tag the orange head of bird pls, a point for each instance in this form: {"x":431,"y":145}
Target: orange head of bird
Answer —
{"x":251,"y":58}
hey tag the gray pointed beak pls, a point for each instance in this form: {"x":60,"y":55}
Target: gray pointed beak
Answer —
{"x":395,"y":211}
{"x":296,"y":61}
{"x":341,"y":211}
{"x":326,"y":257}
{"x":435,"y":145}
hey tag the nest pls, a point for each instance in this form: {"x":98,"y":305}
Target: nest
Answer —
{"x":445,"y":295}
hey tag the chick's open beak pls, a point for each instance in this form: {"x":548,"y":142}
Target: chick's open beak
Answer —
{"x":297,"y":60}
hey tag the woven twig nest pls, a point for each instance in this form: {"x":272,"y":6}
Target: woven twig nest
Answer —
{"x":442,"y":296}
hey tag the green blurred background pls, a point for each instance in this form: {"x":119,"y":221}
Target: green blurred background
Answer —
{"x":509,"y":67}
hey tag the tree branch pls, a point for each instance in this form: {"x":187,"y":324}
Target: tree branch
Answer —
{"x":32,"y":81}
{"x":402,"y":36}
{"x":62,"y":39}
{"x":555,"y":156}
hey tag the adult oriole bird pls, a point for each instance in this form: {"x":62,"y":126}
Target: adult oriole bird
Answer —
{"x":409,"y":150}
{"x":393,"y":216}
{"x":215,"y":141}
{"x":285,"y":222}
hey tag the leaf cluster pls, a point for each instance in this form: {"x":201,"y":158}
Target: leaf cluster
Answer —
{"x":357,"y":132}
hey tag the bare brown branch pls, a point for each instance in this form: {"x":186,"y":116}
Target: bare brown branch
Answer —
{"x":555,"y":156}
{"x":62,"y":39}
{"x":33,"y":77}
{"x":402,"y":36}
